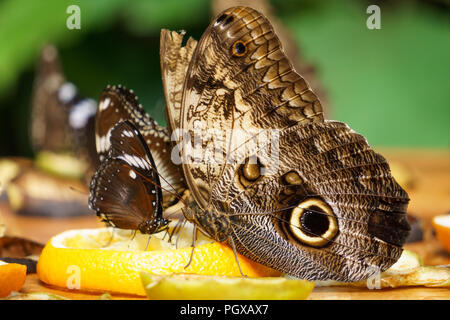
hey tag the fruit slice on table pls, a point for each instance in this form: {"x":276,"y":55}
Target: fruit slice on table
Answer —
{"x":199,"y":287}
{"x":12,"y":277}
{"x":442,"y":226}
{"x":61,"y":164}
{"x":92,"y":259}
{"x":409,"y":262}
{"x":408,"y":271}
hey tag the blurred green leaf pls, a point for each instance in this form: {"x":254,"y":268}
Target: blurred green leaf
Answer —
{"x":143,"y":16}
{"x":25,"y":26}
{"x":391,"y":85}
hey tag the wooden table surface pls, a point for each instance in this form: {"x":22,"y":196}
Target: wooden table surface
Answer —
{"x":429,"y":172}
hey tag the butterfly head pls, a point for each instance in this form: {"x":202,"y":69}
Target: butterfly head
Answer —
{"x":212,"y":222}
{"x":153,"y":226}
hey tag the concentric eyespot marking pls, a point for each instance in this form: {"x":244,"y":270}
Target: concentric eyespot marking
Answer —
{"x":250,"y":171}
{"x":312,"y":222}
{"x":239,"y":48}
{"x":291,"y":181}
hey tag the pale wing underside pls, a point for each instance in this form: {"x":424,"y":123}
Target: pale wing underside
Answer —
{"x":242,"y":99}
{"x":175,"y":60}
{"x":257,"y":91}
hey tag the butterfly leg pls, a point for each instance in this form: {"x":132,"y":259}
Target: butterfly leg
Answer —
{"x":179,"y":233}
{"x":175,"y":229}
{"x":110,"y":239}
{"x":148,"y":241}
{"x":194,"y":236}
{"x":132,"y":237}
{"x":236,"y":257}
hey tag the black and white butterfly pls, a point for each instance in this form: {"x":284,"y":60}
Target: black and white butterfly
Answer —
{"x":125,"y":190}
{"x":118,"y":103}
{"x":61,"y":120}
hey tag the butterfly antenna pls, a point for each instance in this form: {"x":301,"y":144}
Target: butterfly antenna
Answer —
{"x":77,"y":190}
{"x":174,"y":192}
{"x":194,"y":236}
{"x":166,"y":233}
{"x":159,"y":186}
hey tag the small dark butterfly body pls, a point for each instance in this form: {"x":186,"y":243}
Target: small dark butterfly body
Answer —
{"x":125,"y":190}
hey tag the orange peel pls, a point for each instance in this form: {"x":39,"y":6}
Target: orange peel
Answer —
{"x":12,"y":277}
{"x":79,"y":259}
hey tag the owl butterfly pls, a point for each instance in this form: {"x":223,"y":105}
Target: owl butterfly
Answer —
{"x":125,"y":190}
{"x":61,"y":120}
{"x":118,"y":103}
{"x":310,"y":198}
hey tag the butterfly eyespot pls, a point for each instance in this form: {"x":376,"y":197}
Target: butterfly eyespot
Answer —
{"x":249,"y":172}
{"x":292,"y":178}
{"x":313,"y":223}
{"x":239,"y":48}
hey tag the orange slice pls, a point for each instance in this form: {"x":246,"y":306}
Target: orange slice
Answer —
{"x":442,"y":226}
{"x":12,"y":277}
{"x":90,"y":259}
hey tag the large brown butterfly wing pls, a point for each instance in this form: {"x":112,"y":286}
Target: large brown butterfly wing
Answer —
{"x":117,"y":104}
{"x":252,"y":90}
{"x":316,"y":202}
{"x":125,"y":190}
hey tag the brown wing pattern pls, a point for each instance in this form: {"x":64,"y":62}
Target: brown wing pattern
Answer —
{"x":309,"y":197}
{"x":336,"y":166}
{"x":250,"y":88}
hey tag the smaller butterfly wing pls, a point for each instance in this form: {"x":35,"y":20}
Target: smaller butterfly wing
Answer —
{"x":118,"y":103}
{"x":120,"y":196}
{"x":125,"y":190}
{"x":128,"y":145}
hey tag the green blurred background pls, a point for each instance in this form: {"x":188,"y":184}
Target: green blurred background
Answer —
{"x":392,"y":84}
